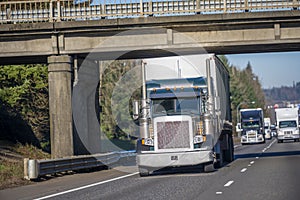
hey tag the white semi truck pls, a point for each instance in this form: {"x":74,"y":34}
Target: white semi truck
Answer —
{"x":184,"y":114}
{"x":287,"y":124}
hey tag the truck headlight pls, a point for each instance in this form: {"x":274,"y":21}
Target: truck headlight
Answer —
{"x":148,"y":141}
{"x":199,"y":139}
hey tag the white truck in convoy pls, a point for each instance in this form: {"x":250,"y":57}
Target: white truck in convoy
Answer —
{"x":287,"y":124}
{"x":252,"y":126}
{"x":267,"y":123}
{"x":184,"y":114}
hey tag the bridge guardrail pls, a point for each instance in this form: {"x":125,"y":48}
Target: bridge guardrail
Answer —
{"x":66,"y":10}
{"x":34,"y":169}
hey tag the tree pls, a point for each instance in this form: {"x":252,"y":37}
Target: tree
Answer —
{"x":25,"y":88}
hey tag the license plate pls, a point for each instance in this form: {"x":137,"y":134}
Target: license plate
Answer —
{"x":174,"y":157}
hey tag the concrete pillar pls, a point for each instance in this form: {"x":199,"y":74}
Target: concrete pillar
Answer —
{"x":60,"y":109}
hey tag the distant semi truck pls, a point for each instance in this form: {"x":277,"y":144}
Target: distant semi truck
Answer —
{"x":252,"y":126}
{"x":287,"y":124}
{"x":184,"y":114}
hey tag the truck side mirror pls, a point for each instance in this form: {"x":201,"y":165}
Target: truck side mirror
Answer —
{"x":135,"y":109}
{"x":238,"y":127}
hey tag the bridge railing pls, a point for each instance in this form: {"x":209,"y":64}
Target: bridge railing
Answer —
{"x":14,"y":11}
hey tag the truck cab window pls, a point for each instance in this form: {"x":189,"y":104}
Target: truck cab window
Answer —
{"x":176,"y":106}
{"x":285,"y":124}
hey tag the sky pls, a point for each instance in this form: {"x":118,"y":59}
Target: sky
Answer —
{"x":273,"y":69}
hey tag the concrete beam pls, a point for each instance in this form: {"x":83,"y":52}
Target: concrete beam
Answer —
{"x":60,"y":109}
{"x":217,"y":33}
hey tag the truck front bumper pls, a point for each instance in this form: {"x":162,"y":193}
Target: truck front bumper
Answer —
{"x":288,"y":137}
{"x":174,"y":159}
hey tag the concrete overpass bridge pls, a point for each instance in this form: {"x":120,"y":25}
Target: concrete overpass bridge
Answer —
{"x":60,"y":33}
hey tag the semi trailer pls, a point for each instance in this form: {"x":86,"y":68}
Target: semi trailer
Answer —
{"x":184,"y":114}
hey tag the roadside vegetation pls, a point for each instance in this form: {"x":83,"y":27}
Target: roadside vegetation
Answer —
{"x":11,"y":162}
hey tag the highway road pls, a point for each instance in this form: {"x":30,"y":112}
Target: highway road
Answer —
{"x":269,"y":171}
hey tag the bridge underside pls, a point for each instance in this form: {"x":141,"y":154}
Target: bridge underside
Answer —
{"x":151,"y":37}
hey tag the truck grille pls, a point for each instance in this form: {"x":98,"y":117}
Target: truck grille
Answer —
{"x":288,"y":132}
{"x":251,"y":134}
{"x":172,"y":135}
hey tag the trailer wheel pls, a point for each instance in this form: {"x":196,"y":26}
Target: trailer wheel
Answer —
{"x":220,"y":159}
{"x":143,"y":172}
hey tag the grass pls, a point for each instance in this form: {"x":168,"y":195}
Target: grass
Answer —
{"x":11,"y":174}
{"x":12,"y":170}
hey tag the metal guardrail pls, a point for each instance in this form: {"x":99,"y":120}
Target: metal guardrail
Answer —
{"x":34,"y":169}
{"x":16,"y":11}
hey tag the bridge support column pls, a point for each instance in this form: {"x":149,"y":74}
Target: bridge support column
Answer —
{"x":60,"y":90}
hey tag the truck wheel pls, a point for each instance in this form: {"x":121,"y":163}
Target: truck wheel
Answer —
{"x":143,"y":172}
{"x":220,"y":159}
{"x":209,"y":168}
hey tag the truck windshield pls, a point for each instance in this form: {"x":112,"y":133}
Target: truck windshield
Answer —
{"x":175,"y":106}
{"x":250,"y":124}
{"x":285,"y":124}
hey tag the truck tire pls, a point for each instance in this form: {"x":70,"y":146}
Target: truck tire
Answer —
{"x":220,"y":159}
{"x":143,"y":172}
{"x":209,"y":168}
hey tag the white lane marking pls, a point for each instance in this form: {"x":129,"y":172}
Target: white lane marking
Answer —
{"x":269,"y":146}
{"x":257,"y":157}
{"x":251,"y":162}
{"x":87,"y":186}
{"x":249,"y":165}
{"x":228,"y":183}
{"x":243,"y":170}
{"x":219,"y":192}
